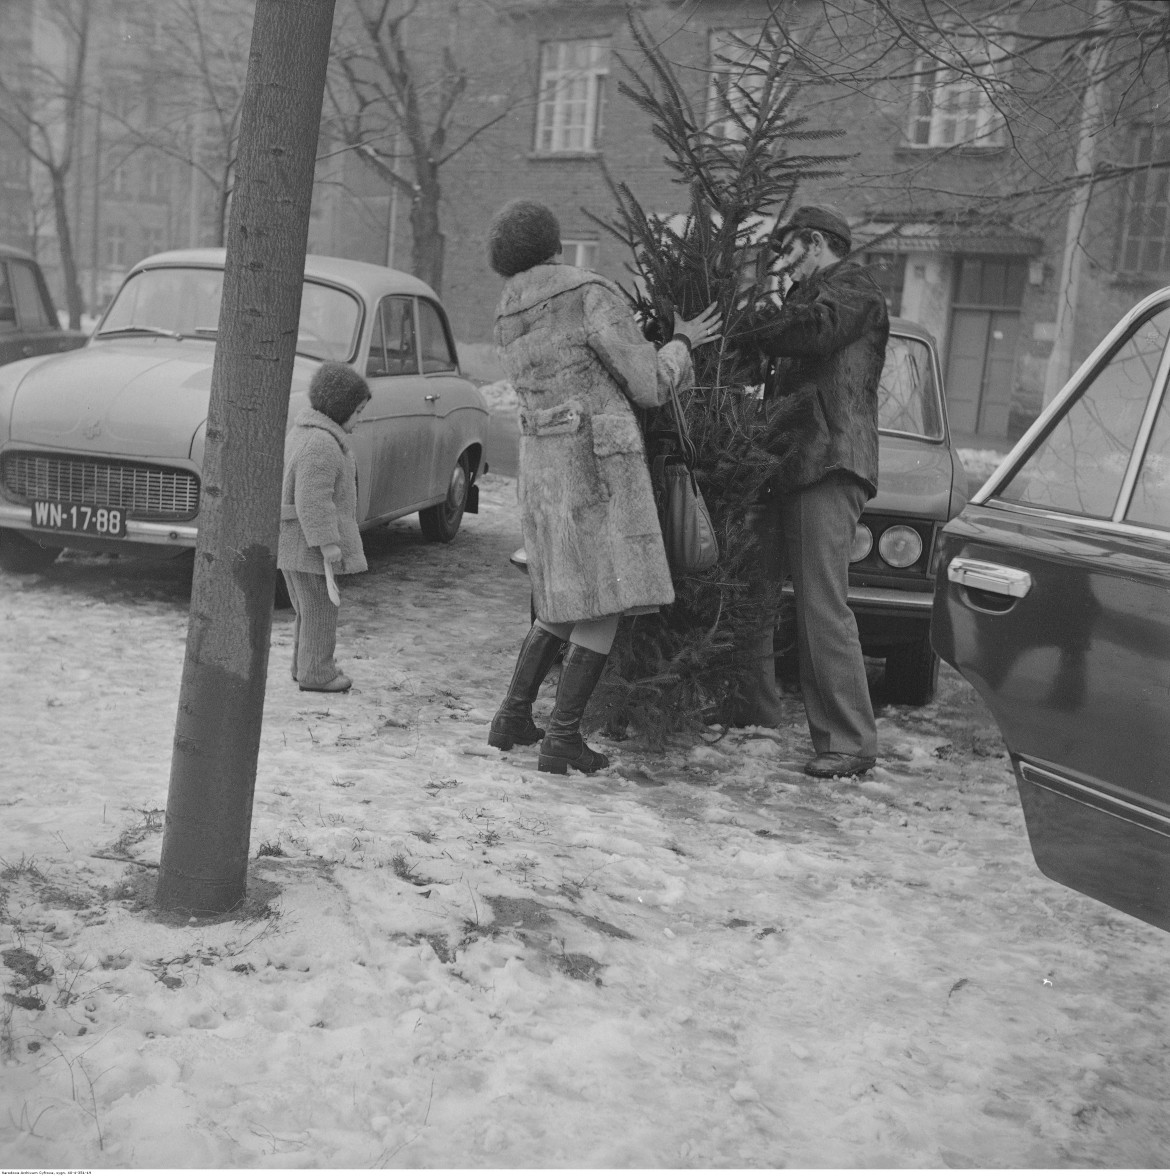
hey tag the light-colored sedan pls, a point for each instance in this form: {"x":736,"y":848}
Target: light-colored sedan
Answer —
{"x":103,"y":447}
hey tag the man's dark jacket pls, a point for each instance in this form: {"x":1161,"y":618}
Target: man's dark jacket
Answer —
{"x":830,"y":339}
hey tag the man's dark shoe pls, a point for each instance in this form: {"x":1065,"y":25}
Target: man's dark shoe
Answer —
{"x":829,"y":764}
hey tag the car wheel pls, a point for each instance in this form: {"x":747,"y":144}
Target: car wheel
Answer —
{"x":912,"y":672}
{"x":18,"y":554}
{"x":440,"y":523}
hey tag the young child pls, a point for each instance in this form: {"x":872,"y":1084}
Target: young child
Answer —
{"x":318,"y":519}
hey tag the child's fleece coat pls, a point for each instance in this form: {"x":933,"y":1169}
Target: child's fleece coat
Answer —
{"x":318,"y":503}
{"x":572,"y":348}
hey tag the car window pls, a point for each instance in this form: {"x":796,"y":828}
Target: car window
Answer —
{"x":392,"y":348}
{"x":1079,"y":466}
{"x":7,"y":305}
{"x":908,"y":393}
{"x":32,"y":311}
{"x":186,"y":300}
{"x":329,"y":322}
{"x":438,"y":353}
{"x":1150,"y":504}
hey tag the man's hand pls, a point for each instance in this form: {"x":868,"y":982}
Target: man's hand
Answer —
{"x":331,"y":553}
{"x":703,"y":328}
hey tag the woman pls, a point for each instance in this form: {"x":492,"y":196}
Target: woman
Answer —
{"x":573,"y":350}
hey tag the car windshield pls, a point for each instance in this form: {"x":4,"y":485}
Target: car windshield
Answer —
{"x":908,"y":393}
{"x":184,"y":301}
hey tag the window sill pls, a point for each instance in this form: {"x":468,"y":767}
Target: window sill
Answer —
{"x":1145,"y":283}
{"x":561,"y":156}
{"x":906,"y":150}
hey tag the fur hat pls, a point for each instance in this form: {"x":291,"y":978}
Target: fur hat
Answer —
{"x":337,"y":391}
{"x":522,"y":234}
{"x":821,"y":217}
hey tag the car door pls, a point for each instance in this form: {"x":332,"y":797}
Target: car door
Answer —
{"x":394,"y":439}
{"x":1053,"y":600}
{"x":450,"y":394}
{"x":28,"y":324}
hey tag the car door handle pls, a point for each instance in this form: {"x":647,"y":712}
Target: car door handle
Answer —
{"x":989,"y":577}
{"x":431,"y":397}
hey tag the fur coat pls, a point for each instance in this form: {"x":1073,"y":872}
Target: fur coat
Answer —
{"x":573,"y":350}
{"x":829,"y":341}
{"x":318,"y":501}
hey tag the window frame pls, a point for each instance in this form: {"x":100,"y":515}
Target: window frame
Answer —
{"x":552,"y":135}
{"x":1157,"y":134}
{"x":728,"y":42}
{"x":930,"y":80}
{"x":1028,"y":446}
{"x":584,"y":252}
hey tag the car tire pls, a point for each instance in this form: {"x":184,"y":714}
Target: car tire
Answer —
{"x":20,"y":554}
{"x":440,"y":523}
{"x":912,"y":672}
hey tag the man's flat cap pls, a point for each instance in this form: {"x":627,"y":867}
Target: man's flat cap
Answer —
{"x":814,"y":216}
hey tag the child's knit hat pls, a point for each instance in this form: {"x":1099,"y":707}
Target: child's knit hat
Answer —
{"x":522,"y":234}
{"x":337,"y":391}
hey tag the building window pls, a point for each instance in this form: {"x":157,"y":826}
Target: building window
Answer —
{"x":153,"y":177}
{"x":571,"y":109}
{"x":116,"y":246}
{"x":153,"y":240}
{"x":118,"y":181}
{"x":1145,"y":227}
{"x":582,"y":253}
{"x":739,"y":63}
{"x":950,"y":109}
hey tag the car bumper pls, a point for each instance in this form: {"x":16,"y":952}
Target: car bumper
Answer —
{"x":19,"y":518}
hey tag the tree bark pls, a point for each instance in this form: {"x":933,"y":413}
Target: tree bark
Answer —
{"x":426,"y":261}
{"x":204,"y":862}
{"x":69,"y":277}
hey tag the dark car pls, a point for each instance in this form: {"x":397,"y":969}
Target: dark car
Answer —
{"x":921,"y":484}
{"x":28,"y":322}
{"x":1053,"y":601}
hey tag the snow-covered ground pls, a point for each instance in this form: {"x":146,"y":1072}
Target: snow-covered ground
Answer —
{"x":700,"y":958}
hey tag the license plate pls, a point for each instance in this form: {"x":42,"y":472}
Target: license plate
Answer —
{"x":79,"y":519}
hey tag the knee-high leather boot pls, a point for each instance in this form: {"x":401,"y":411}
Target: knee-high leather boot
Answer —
{"x":513,"y":721}
{"x":563,"y":748}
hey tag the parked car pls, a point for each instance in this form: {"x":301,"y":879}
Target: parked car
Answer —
{"x":28,"y":320}
{"x":102,"y":448}
{"x":921,"y":484}
{"x":1053,"y":601}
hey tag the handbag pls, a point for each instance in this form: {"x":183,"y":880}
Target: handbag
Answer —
{"x":687,"y":531}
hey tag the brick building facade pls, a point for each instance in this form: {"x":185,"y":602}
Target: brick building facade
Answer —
{"x":962,"y":216}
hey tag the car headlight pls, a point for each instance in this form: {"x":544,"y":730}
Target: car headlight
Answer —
{"x":900,"y":546}
{"x":862,"y":543}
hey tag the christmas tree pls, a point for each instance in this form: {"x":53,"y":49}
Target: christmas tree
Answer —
{"x":741,"y":165}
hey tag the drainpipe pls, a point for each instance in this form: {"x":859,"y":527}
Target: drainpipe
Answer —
{"x":1068,"y":295}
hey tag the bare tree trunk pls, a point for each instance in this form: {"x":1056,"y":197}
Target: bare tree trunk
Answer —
{"x":427,"y":241}
{"x":221,"y":699}
{"x":69,"y":278}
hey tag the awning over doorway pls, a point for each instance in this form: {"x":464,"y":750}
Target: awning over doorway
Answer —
{"x":892,"y":236}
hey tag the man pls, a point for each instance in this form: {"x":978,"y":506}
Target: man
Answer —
{"x":828,"y":339}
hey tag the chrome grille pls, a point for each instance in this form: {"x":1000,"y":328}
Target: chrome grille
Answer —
{"x":142,"y":491}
